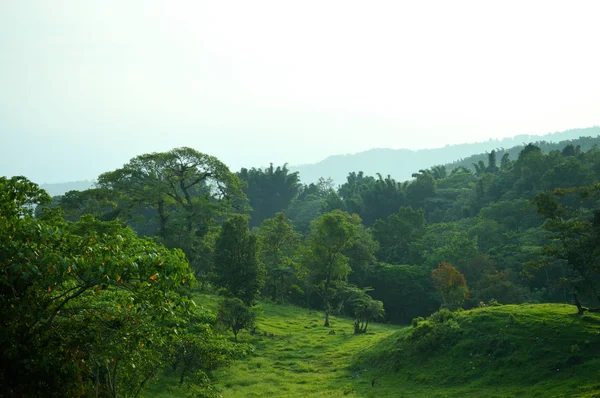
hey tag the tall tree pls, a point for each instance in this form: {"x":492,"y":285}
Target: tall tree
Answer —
{"x":575,"y":238}
{"x":269,"y":191}
{"x":183,"y":191}
{"x":278,"y":250}
{"x":331,"y":234}
{"x":309,"y":204}
{"x":237,"y":266}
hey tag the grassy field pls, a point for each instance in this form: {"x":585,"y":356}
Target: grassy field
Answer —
{"x":506,"y":351}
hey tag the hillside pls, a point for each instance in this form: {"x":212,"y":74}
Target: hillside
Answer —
{"x":400,"y":164}
{"x":501,"y":351}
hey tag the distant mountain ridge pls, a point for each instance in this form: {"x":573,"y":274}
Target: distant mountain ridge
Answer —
{"x":400,"y":164}
{"x":63,"y":187}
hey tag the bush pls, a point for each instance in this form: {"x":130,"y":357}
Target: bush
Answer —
{"x":441,"y":329}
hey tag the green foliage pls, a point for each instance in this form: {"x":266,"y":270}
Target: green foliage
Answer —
{"x":476,"y":353}
{"x":85,"y":306}
{"x":440,"y":330}
{"x":365,"y":310}
{"x":237,"y":266}
{"x":234,"y":314}
{"x":451,"y":285}
{"x":406,"y":290}
{"x":398,"y":234}
{"x":575,"y":239}
{"x":177,"y":196}
{"x":309,"y":204}
{"x":278,"y":252}
{"x":269,"y":191}
{"x":331,"y":235}
{"x":18,"y":195}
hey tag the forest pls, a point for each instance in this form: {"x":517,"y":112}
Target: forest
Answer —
{"x":102,"y":289}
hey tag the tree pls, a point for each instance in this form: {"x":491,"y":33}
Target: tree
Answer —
{"x":236,"y":266}
{"x":269,"y":191}
{"x":575,"y":238}
{"x":196,"y":350}
{"x":451,"y":285}
{"x":361,"y":256}
{"x":331,"y":234}
{"x":421,"y":188}
{"x":363,"y":307}
{"x":98,"y":202}
{"x":380,"y":199}
{"x":309,"y":204}
{"x":278,"y":250}
{"x":183,"y":193}
{"x":406,"y":290}
{"x":366,"y":310}
{"x":439,"y":172}
{"x":84,"y":306}
{"x":236,"y":315}
{"x":397,"y":235}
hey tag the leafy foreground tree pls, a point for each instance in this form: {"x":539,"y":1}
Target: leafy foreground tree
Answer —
{"x":234,"y":314}
{"x":86,"y":308}
{"x":451,"y":285}
{"x":197,"y":350}
{"x":236,"y":266}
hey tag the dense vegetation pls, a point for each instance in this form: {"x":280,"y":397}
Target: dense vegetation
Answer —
{"x":97,"y":286}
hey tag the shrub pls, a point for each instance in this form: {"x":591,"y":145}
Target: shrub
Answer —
{"x":441,"y":329}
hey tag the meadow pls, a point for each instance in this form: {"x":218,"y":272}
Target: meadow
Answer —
{"x":504,"y":351}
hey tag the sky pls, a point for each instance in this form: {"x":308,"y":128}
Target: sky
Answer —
{"x":87,"y":85}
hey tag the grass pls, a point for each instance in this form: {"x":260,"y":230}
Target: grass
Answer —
{"x":505,"y":351}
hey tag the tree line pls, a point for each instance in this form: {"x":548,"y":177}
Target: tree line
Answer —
{"x":100,"y":280}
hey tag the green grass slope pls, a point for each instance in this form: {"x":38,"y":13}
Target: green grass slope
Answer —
{"x":504,"y":351}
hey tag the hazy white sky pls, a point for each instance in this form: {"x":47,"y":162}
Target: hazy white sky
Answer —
{"x":86,"y":85}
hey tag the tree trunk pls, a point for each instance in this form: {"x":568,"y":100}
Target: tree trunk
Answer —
{"x":580,"y":308}
{"x":162,"y":219}
{"x":97,"y":380}
{"x":326,"y":316}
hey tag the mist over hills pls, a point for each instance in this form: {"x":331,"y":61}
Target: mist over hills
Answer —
{"x":400,"y":164}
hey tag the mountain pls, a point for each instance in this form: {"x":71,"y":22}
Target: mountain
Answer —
{"x":61,"y":188}
{"x":400,"y":164}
